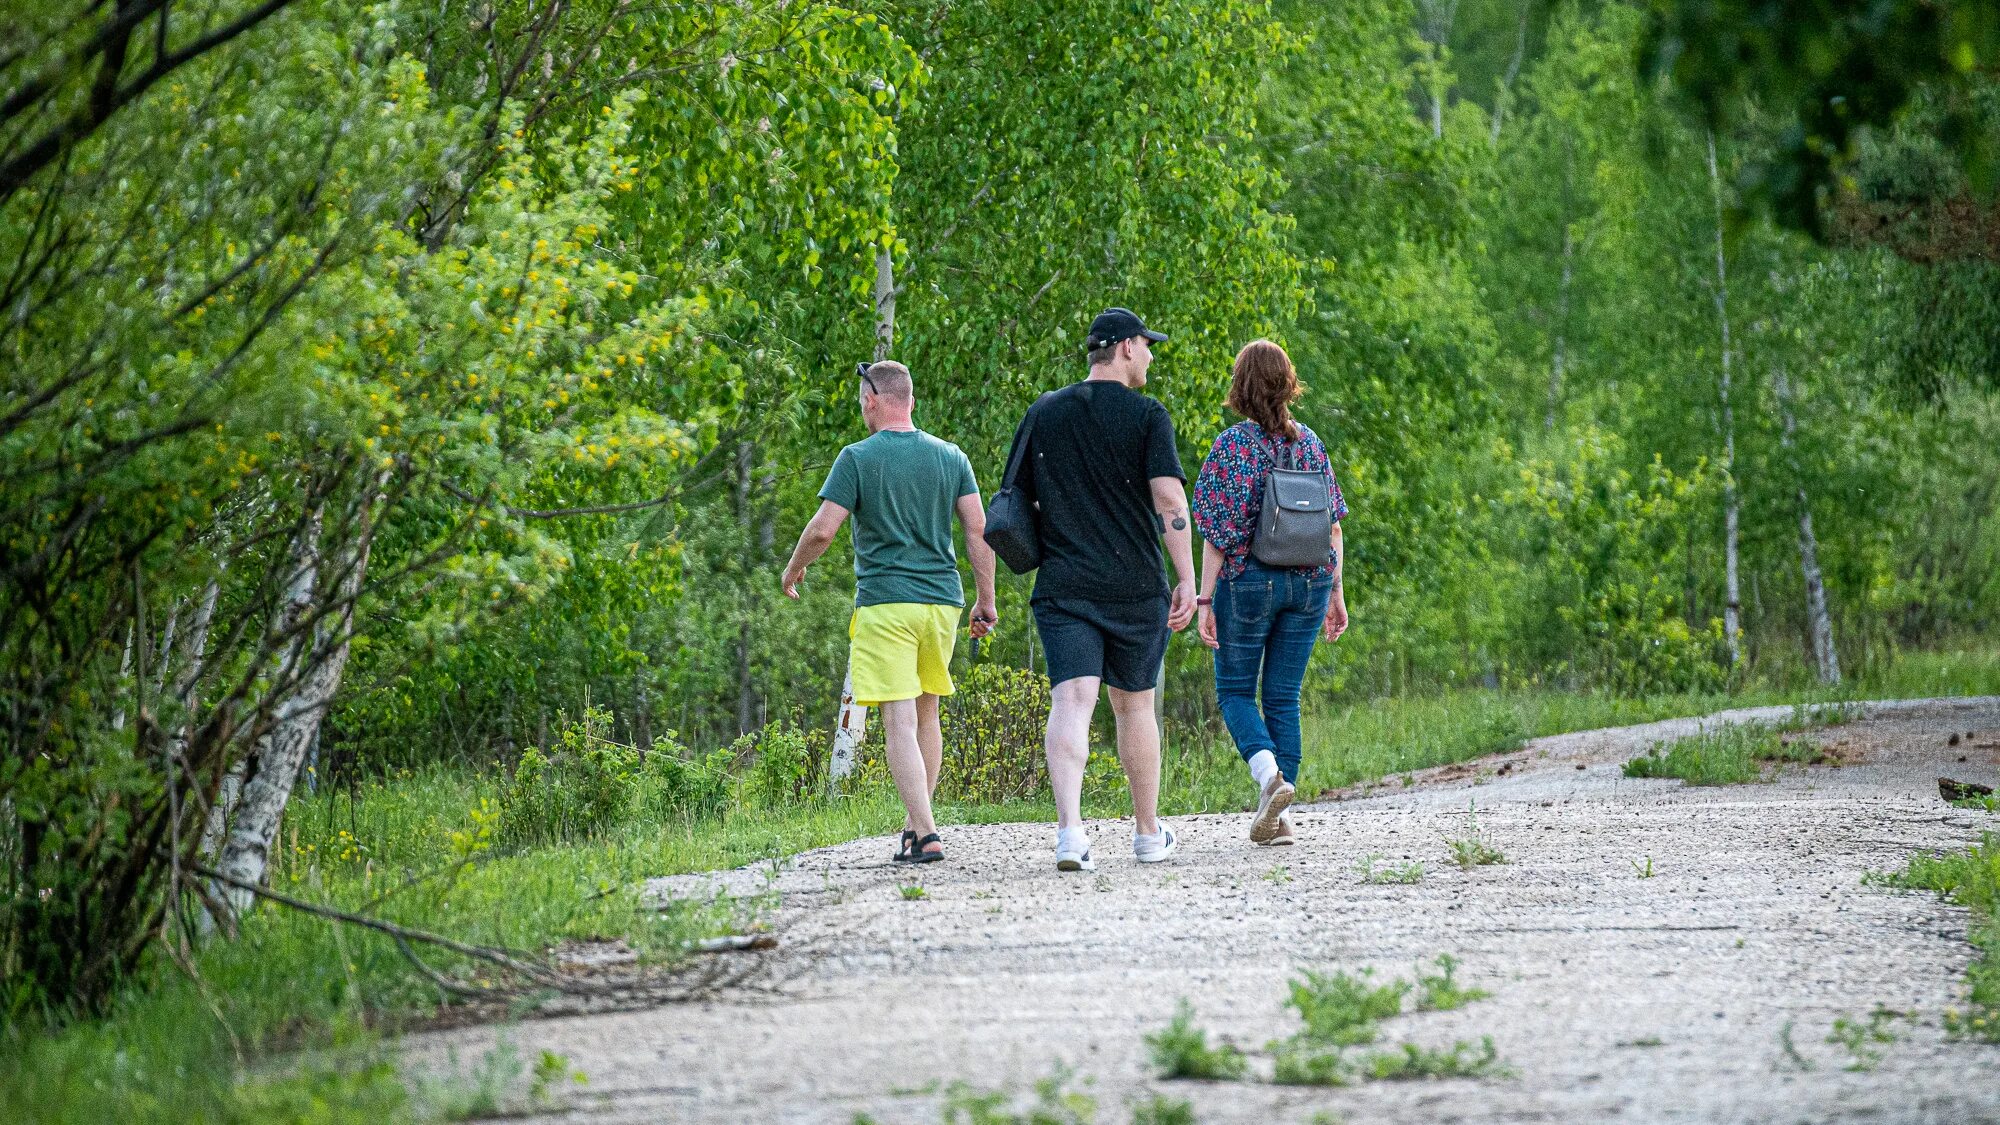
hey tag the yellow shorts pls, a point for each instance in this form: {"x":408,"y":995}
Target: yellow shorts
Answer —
{"x":901,"y":650}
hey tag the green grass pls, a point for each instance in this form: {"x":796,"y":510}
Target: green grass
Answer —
{"x":1182,"y":1050}
{"x":419,"y":848}
{"x":1731,"y":755}
{"x":1972,"y":880}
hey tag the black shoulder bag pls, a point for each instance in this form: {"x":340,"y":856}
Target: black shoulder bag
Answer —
{"x":1010,"y":518}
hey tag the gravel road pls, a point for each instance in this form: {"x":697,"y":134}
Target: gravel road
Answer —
{"x":1614,"y":997}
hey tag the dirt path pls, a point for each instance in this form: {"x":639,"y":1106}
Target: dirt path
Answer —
{"x":1614,"y":997}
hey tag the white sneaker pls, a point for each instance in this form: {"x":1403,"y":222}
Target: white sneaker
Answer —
{"x":1271,"y":804}
{"x":1073,"y":851}
{"x":1156,"y":848}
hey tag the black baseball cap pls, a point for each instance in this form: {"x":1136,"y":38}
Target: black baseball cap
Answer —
{"x":1113,"y":325}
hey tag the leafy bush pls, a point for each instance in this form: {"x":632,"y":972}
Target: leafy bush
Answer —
{"x":575,"y":790}
{"x":679,"y":784}
{"x":784,"y":764}
{"x":993,"y":735}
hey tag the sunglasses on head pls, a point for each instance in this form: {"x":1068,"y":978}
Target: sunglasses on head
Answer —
{"x":861,"y":369}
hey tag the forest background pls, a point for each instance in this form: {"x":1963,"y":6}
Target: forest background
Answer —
{"x":431,"y":390}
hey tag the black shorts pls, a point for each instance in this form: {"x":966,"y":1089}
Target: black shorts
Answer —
{"x":1122,"y":643}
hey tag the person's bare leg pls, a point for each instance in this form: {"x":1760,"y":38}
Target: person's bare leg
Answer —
{"x":906,"y":763}
{"x":930,"y":739}
{"x":1139,"y":753}
{"x":1067,"y":745}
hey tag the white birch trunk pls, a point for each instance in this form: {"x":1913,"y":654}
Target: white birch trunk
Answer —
{"x":1506,"y":88}
{"x":852,"y":726}
{"x":1824,"y":655}
{"x":1732,"y":607}
{"x":246,"y":853}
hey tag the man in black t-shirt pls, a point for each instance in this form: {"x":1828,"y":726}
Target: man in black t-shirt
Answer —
{"x":1106,"y":483}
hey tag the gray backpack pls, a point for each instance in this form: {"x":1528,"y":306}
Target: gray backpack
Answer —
{"x":1295,"y":527}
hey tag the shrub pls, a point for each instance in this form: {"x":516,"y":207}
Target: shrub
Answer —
{"x":574,"y":790}
{"x":784,"y":764}
{"x":993,"y":735}
{"x":679,"y":784}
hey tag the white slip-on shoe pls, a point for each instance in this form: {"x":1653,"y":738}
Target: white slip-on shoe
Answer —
{"x":1073,"y":852}
{"x":1271,"y":804}
{"x":1156,"y":848}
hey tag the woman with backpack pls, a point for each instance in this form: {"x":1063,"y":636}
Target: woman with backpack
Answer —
{"x":1269,"y":511}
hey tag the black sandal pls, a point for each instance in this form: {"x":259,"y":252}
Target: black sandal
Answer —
{"x":919,"y":855}
{"x":909,"y":844}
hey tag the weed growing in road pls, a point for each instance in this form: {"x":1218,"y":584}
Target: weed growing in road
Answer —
{"x":1864,"y":1041}
{"x":1732,"y":755}
{"x":1647,"y":1041}
{"x":1471,"y":850}
{"x":1279,"y":875}
{"x":1440,"y":991}
{"x":1298,"y":1062}
{"x":1341,"y":1010}
{"x":912,"y":891}
{"x":1806,"y":716}
{"x":1721,"y":757}
{"x":1644,"y":870}
{"x":1162,"y":1110}
{"x":1971,"y":880}
{"x":1181,"y":1050}
{"x":1374,"y":869}
{"x":1461,"y":1060}
{"x":1055,"y":1104}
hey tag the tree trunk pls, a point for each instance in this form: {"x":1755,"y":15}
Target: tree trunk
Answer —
{"x":1824,"y":655}
{"x":1732,"y":606}
{"x":280,"y":753}
{"x":1506,"y":89}
{"x":852,"y":725}
{"x":746,"y":700}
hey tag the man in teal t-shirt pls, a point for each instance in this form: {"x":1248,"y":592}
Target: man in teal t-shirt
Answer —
{"x":902,"y":487}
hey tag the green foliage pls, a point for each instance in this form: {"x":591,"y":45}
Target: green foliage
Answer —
{"x":1972,"y":880}
{"x":1340,"y":1010}
{"x":1182,"y":1050}
{"x":993,"y":730}
{"x":1054,"y":1104}
{"x":1728,"y":755}
{"x":680,"y":783}
{"x":1460,"y":1060}
{"x":784,"y":765}
{"x":1440,"y":991}
{"x":1374,"y":869}
{"x":1863,"y":1041}
{"x":582,"y":786}
{"x":1473,"y":849}
{"x":1162,"y":1110}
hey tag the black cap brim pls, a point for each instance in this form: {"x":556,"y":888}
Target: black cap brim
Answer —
{"x":1156,"y":337}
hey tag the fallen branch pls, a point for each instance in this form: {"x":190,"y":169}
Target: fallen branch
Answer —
{"x":402,"y":934}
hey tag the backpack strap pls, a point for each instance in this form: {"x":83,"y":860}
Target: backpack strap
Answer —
{"x":1021,"y":450}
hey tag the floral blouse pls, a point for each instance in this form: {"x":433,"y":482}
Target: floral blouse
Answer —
{"x":1229,"y":494}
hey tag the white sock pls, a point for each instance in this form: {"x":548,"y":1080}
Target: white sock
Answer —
{"x":1263,"y":767}
{"x":1072,"y":839}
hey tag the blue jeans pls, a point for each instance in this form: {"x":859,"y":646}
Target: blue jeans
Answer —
{"x":1266,"y":621}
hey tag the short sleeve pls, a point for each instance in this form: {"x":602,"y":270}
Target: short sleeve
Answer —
{"x":1163,"y":456}
{"x":1224,"y":494}
{"x":843,"y":482}
{"x":967,"y":484}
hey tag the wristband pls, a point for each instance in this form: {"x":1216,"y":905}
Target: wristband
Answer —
{"x":1204,"y":601}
